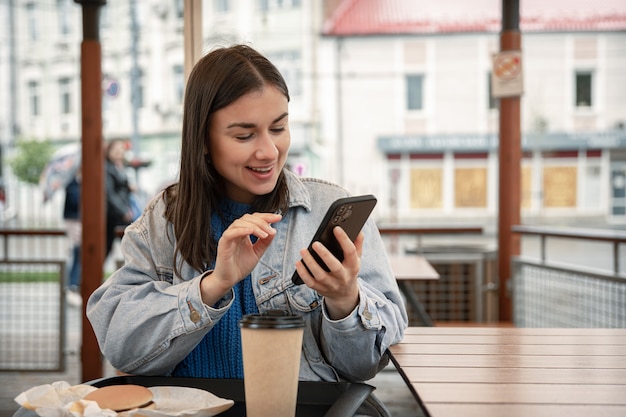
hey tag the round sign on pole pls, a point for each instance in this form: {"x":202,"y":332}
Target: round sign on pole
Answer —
{"x":506,"y":76}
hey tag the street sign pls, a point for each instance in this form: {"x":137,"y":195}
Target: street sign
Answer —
{"x":506,"y":75}
{"x":111,"y":87}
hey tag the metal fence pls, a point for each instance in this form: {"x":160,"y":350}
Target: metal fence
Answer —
{"x":577,"y":279}
{"x":32,"y":300}
{"x":466,"y":290}
{"x":553,"y":296}
{"x":24,"y":206}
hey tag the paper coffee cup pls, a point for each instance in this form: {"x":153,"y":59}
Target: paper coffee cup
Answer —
{"x":272,"y":345}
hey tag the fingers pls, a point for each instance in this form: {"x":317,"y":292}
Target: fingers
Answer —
{"x":236,"y":254}
{"x":257,"y":224}
{"x":339,"y":272}
{"x":350,"y":249}
{"x":358,"y":243}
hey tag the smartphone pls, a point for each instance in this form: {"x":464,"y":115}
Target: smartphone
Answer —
{"x":350,"y":213}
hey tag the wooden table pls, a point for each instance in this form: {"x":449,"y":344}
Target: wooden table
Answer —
{"x":407,"y":268}
{"x":514,"y":372}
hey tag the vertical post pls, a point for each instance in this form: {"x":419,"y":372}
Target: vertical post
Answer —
{"x":92,"y":188}
{"x":339,"y":91}
{"x":13,"y":129}
{"x":510,"y":165}
{"x":192,"y":29}
{"x":134,"y":83}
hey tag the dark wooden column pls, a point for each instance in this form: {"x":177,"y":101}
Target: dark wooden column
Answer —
{"x":510,"y":165}
{"x":92,"y":189}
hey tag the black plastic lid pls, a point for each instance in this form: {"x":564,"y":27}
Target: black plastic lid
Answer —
{"x":272,"y":319}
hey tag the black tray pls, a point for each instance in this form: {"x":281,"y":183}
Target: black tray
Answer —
{"x":315,"y":399}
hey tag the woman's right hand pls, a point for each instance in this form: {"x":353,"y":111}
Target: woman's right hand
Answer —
{"x":237,"y":255}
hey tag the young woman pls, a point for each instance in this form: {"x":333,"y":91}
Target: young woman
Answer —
{"x":225,"y":240}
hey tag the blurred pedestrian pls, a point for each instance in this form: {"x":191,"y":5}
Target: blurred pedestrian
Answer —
{"x":73,"y":227}
{"x":118,"y":191}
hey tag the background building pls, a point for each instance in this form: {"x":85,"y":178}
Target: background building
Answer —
{"x":427,"y":69}
{"x":387,"y":97}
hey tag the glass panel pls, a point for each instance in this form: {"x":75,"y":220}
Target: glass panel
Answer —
{"x":583,"y":89}
{"x":64,"y":94}
{"x":427,"y":188}
{"x":414,"y":88}
{"x":470,"y":187}
{"x":33,"y":96}
{"x":560,"y":186}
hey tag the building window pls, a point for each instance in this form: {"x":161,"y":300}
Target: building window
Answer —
{"x":105,"y":20}
{"x":491,"y":100}
{"x":426,"y":190}
{"x":178,"y":4}
{"x":222,"y":6}
{"x":560,"y":185}
{"x":31,"y":16}
{"x":33,"y":97}
{"x":63,"y":7}
{"x":267,"y":5}
{"x":584,"y":89}
{"x":470,"y":186}
{"x":66,"y":97}
{"x":289,"y":64}
{"x":179,"y":82}
{"x":415,"y":92}
{"x":137,"y":91}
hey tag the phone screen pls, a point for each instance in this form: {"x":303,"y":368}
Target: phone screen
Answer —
{"x":349,"y":213}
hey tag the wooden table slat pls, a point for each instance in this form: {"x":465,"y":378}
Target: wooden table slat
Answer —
{"x":493,"y":349}
{"x":512,"y":361}
{"x":517,"y":331}
{"x":510,"y":339}
{"x":521,"y":393}
{"x":517,"y":375}
{"x":526,"y":410}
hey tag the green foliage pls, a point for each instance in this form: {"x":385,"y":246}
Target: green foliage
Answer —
{"x":30,"y":160}
{"x":6,"y":277}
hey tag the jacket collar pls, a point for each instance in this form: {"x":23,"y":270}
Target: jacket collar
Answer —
{"x":298,"y":193}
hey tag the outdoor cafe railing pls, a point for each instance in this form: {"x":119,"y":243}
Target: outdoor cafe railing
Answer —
{"x":32,"y":299}
{"x":586,"y":287}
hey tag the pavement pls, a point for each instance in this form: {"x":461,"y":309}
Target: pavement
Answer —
{"x":390,"y":388}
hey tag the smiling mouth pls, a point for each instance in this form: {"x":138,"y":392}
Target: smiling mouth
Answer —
{"x":261,"y":170}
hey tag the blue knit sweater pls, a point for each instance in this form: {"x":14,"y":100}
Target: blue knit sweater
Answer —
{"x":218,"y":355}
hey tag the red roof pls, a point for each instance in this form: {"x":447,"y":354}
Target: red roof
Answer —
{"x":376,"y":17}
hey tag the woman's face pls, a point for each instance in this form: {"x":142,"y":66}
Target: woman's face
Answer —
{"x":117,"y":151}
{"x":249,"y":141}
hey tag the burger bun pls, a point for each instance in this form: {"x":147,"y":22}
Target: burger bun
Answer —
{"x":122,"y":397}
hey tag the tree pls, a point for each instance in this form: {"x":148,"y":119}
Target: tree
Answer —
{"x":30,"y":159}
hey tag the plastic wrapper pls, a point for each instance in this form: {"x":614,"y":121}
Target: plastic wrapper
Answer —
{"x":62,"y":400}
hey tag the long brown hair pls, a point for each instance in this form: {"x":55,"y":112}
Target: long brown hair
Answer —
{"x":217,"y":80}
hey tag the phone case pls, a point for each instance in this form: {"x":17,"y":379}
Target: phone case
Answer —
{"x":350,"y":213}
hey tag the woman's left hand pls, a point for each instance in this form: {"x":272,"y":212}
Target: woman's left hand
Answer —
{"x":339,"y":285}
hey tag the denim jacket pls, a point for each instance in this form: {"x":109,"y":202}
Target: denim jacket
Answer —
{"x":147,"y":319}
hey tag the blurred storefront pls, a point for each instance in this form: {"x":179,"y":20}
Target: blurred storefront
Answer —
{"x":562,"y":174}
